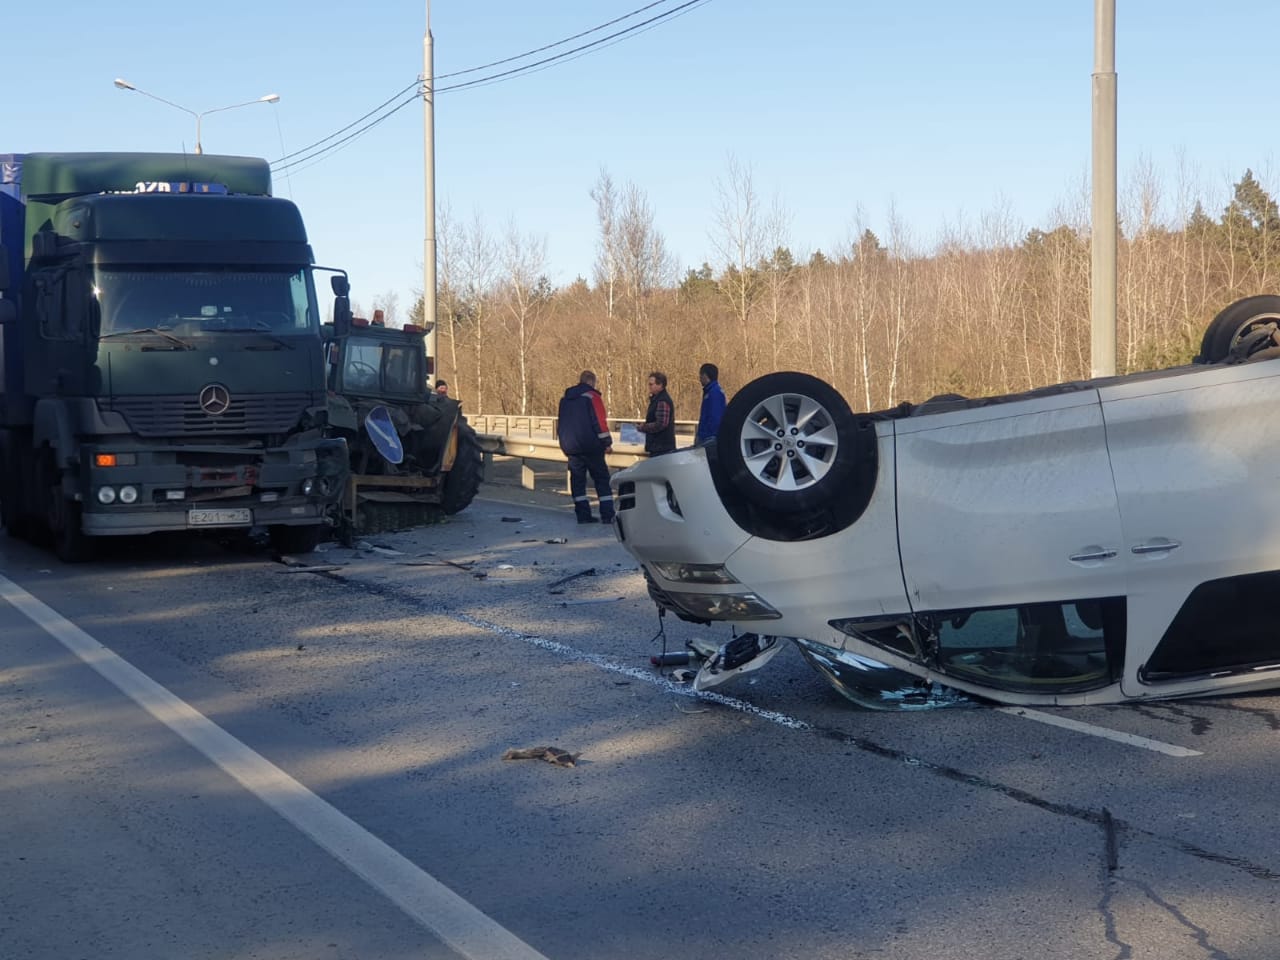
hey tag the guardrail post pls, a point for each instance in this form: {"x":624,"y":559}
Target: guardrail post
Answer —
{"x":527,"y":476}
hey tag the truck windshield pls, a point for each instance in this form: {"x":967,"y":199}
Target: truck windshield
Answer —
{"x":192,"y":303}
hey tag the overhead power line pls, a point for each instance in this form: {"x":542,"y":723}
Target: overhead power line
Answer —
{"x":551,"y":46}
{"x":530,"y":67}
{"x":321,"y":149}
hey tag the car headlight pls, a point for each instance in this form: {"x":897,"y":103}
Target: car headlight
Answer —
{"x":307,"y":486}
{"x":724,"y":606}
{"x":694,"y":572}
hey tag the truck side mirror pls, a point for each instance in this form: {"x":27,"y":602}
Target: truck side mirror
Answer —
{"x":341,"y":316}
{"x":341,"y":287}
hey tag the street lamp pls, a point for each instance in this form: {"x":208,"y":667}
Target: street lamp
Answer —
{"x":126,"y":85}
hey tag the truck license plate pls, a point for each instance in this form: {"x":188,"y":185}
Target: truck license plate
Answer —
{"x":239,"y":516}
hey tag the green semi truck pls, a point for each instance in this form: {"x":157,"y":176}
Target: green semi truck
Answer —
{"x":161,"y":364}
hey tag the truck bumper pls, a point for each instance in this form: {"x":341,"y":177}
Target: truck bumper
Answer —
{"x":127,"y":490}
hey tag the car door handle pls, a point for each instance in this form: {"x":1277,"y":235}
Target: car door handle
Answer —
{"x":1095,"y":553}
{"x":1156,"y":546}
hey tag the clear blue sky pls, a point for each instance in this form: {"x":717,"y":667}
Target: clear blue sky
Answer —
{"x":935,"y":108}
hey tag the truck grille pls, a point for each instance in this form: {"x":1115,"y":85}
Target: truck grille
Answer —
{"x":181,"y":416}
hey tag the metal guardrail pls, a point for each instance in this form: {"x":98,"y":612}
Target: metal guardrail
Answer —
{"x":534,"y":438}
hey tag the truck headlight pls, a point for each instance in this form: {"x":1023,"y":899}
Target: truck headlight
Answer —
{"x":106,"y":495}
{"x":128,"y":494}
{"x":307,"y":486}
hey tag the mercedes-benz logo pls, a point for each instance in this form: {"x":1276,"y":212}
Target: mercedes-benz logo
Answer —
{"x":215,"y":399}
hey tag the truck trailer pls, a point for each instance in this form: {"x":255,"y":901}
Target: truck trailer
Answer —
{"x":160,"y":353}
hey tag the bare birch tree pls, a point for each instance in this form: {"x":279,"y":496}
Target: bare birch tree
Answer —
{"x":739,"y":240}
{"x":526,"y":298}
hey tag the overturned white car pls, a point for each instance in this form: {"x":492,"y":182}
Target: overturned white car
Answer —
{"x":1090,"y":542}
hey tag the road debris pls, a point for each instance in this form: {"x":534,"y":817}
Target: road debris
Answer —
{"x":557,"y":540}
{"x":589,"y":572}
{"x":513,"y":519}
{"x":553,"y":755}
{"x":583,"y":603}
{"x":439,"y":562}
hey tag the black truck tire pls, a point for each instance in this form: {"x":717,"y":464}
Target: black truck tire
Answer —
{"x":70,"y":542}
{"x":462,"y":483}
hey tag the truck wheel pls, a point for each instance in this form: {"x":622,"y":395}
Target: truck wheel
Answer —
{"x":463,"y":482}
{"x":295,"y":539}
{"x":69,"y":540}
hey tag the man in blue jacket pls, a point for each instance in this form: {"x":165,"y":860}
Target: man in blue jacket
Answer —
{"x":583,"y":428}
{"x":712,"y":403}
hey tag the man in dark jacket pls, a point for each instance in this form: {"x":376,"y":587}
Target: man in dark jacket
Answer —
{"x":584,"y":437}
{"x":712,"y":403}
{"x":659,"y":425}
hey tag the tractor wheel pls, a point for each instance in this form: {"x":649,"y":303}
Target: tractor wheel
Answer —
{"x":463,"y":482}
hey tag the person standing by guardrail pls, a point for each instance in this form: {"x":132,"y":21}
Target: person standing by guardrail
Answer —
{"x":713,"y":403}
{"x":584,"y":436}
{"x":659,"y":425}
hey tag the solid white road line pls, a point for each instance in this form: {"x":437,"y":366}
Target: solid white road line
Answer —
{"x":1128,"y":739}
{"x":426,"y":900}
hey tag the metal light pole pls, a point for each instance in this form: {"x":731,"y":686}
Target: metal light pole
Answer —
{"x":429,"y":189}
{"x":1104,"y":221}
{"x":268,"y":98}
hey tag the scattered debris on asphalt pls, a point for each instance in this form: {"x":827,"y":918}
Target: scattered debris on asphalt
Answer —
{"x":439,"y":562}
{"x":553,"y":755}
{"x":513,"y":519}
{"x":557,"y":540}
{"x":589,"y":572}
{"x":583,"y":603}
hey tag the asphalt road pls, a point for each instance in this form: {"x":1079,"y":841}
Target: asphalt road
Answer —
{"x":212,"y":754}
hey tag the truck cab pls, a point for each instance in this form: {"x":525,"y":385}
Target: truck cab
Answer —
{"x":162,"y":355}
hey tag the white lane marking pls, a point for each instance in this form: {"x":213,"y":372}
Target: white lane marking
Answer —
{"x":471,"y":933}
{"x":1128,"y":739}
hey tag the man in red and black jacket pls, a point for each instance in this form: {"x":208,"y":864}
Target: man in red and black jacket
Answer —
{"x":584,"y":437}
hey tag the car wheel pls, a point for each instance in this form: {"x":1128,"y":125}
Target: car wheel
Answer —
{"x":786,"y":442}
{"x":1248,"y":329}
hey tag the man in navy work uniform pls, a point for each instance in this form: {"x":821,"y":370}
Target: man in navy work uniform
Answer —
{"x":712,"y":403}
{"x":584,"y":438}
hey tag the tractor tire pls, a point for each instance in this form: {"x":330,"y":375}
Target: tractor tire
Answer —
{"x":463,"y":482}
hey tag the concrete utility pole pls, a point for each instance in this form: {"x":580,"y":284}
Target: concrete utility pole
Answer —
{"x":429,"y":189}
{"x":1104,"y":222}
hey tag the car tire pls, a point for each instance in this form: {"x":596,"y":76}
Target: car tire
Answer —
{"x":1239,"y":331}
{"x":787,"y":443}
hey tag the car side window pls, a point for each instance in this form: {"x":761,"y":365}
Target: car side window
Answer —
{"x":1224,"y":625}
{"x":1037,"y":647}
